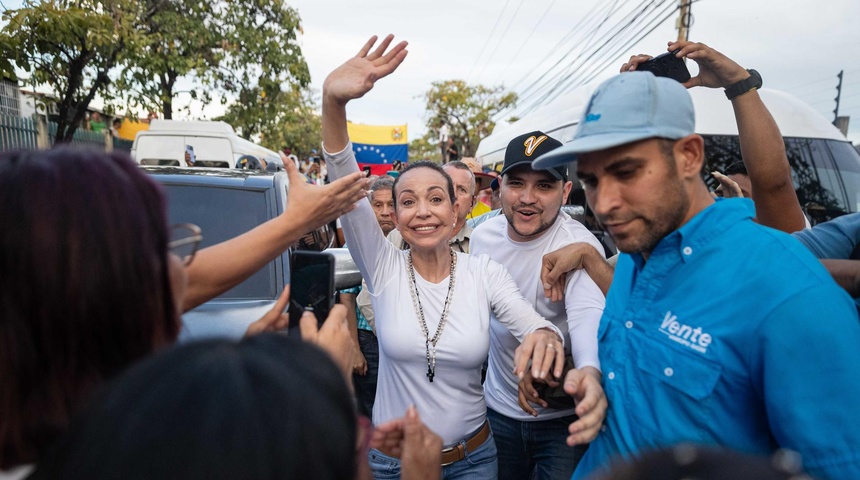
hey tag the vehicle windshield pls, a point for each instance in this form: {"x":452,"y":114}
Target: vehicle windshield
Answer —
{"x":826,"y":173}
{"x":223,"y":213}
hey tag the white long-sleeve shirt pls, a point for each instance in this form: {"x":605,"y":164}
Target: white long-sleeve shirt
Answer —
{"x":578,"y":314}
{"x":453,"y":404}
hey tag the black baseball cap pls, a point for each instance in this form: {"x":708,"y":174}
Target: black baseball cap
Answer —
{"x":524,"y":149}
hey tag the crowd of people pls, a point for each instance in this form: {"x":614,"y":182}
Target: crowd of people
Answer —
{"x":720,"y":343}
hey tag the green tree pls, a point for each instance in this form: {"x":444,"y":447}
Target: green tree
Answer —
{"x":425,"y":148}
{"x":72,"y":47}
{"x":290,"y":118}
{"x":133,"y":52}
{"x":241,"y":48}
{"x":181,"y":37}
{"x":467,"y":110}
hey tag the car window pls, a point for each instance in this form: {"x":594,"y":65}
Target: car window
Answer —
{"x":223,"y":213}
{"x":826,"y":173}
{"x":210,"y":151}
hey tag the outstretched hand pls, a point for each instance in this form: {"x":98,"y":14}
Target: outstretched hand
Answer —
{"x":409,"y":439}
{"x":316,"y":205}
{"x":357,"y":76}
{"x":584,"y":386}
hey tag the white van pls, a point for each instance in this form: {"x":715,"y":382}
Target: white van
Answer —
{"x":825,"y":166}
{"x":215,"y":144}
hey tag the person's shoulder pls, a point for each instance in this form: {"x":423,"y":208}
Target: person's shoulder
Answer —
{"x":479,"y":264}
{"x":490,"y":228}
{"x":395,"y":237}
{"x":772,"y":257}
{"x":574,"y":228}
{"x":573,"y":231}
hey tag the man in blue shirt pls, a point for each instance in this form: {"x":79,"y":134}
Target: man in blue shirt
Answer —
{"x":716,"y":330}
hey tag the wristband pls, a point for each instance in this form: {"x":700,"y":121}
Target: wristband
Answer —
{"x":753,"y":82}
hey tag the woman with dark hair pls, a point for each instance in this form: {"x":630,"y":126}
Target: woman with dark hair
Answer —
{"x":267,"y":407}
{"x":432,"y":306}
{"x":88,"y":286}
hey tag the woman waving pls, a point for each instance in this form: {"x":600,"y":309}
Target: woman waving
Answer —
{"x":432,"y":305}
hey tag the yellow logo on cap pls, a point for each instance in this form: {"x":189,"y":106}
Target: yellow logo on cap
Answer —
{"x":532,"y":143}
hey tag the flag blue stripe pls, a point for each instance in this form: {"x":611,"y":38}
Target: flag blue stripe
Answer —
{"x":380,"y":154}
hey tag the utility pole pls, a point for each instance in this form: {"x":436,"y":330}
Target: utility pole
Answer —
{"x":838,"y":95}
{"x":684,"y":20}
{"x":840,"y":122}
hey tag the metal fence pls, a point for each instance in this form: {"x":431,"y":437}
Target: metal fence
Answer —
{"x":18,"y":132}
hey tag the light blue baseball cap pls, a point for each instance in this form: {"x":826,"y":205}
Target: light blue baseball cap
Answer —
{"x":627,"y":108}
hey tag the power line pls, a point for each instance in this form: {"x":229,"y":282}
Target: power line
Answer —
{"x":613,"y":57}
{"x":529,"y":37}
{"x":619,"y":36}
{"x":535,"y":89}
{"x":507,"y":29}
{"x":487,"y":41}
{"x":613,"y":31}
{"x":576,"y":28}
{"x":814,"y":82}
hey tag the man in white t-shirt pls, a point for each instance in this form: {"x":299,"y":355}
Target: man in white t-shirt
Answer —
{"x":531,"y":439}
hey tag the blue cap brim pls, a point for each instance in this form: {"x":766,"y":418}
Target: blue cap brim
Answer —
{"x":567,"y":153}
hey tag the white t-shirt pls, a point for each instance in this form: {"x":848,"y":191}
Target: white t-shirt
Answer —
{"x":453,"y":404}
{"x":579,"y":313}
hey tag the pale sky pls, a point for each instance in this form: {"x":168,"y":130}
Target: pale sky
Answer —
{"x":798,"y":46}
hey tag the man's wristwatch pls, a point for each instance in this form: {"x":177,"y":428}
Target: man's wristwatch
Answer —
{"x":753,"y":82}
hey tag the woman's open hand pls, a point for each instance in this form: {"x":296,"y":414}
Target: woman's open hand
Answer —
{"x":356,"y":77}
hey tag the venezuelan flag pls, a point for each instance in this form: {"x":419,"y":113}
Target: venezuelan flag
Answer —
{"x":378,"y":146}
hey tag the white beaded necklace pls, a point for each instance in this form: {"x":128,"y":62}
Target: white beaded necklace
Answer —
{"x":430,"y":343}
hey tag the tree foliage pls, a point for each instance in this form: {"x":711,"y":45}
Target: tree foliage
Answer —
{"x":133,"y":53}
{"x":425,"y":148}
{"x":72,"y":47}
{"x":467,"y":110}
{"x":287,"y":119}
{"x":179,"y":40}
{"x":239,"y":48}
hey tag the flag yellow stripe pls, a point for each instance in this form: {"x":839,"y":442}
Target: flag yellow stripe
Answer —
{"x":378,"y":134}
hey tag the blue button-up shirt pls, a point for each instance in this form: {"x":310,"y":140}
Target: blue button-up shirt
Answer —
{"x":730,"y":334}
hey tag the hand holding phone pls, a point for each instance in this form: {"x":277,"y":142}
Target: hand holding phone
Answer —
{"x":666,"y":65}
{"x":190,"y":158}
{"x":311,"y":286}
{"x":275,"y":319}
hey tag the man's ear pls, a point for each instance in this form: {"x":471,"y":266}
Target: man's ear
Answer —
{"x":690,"y":155}
{"x":474,"y":202}
{"x":566,"y":191}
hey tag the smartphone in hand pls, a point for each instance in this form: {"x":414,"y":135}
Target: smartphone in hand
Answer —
{"x":311,"y":286}
{"x":190,"y":158}
{"x":666,"y":65}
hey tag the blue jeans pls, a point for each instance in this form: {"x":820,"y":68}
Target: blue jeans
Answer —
{"x":365,"y":385}
{"x":479,"y":464}
{"x":534,"y":450}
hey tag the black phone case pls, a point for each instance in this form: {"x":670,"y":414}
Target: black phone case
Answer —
{"x":666,"y":65}
{"x":311,"y":285}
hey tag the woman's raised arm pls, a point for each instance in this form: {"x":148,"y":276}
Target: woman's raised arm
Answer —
{"x":352,"y":80}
